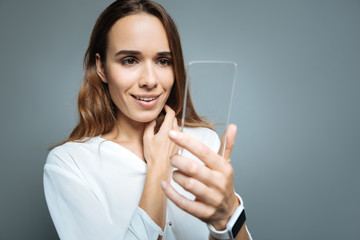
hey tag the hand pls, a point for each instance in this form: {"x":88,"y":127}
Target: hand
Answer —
{"x":212,"y":184}
{"x":157,"y":147}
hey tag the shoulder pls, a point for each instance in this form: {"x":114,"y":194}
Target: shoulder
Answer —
{"x":205,"y":135}
{"x":68,"y":153}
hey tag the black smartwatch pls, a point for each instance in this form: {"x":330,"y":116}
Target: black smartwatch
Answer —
{"x":233,"y":226}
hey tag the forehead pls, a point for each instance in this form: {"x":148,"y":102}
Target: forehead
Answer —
{"x":138,"y":32}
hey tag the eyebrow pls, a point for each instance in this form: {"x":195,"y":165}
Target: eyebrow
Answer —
{"x":167,"y":54}
{"x":133,"y":52}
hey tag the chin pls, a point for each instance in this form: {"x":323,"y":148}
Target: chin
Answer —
{"x":146,"y":117}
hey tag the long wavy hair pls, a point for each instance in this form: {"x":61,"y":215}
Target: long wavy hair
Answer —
{"x":97,"y":112}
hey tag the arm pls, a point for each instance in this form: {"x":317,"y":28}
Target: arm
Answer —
{"x":74,"y":207}
{"x":211,"y":184}
{"x":157,"y":151}
{"x":78,"y":211}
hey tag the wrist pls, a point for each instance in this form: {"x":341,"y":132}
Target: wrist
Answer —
{"x":221,"y":224}
{"x":159,"y":172}
{"x":233,"y":226}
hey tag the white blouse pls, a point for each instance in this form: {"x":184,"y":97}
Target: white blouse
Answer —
{"x":93,"y":190}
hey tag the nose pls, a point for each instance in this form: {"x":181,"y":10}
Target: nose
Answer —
{"x":148,"y":78}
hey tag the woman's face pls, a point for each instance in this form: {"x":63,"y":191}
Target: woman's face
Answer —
{"x":138,"y":67}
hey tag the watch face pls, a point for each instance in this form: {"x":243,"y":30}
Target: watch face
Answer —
{"x":238,"y":224}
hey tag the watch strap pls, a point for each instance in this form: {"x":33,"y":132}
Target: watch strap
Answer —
{"x":234,"y":224}
{"x":223,"y":234}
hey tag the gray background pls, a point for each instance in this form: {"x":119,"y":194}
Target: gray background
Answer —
{"x":297,"y":106}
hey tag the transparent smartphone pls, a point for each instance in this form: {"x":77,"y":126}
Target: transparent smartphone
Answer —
{"x":211,"y":86}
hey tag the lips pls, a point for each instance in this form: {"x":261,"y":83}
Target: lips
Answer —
{"x":146,"y":101}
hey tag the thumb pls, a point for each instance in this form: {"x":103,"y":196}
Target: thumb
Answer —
{"x":229,"y":143}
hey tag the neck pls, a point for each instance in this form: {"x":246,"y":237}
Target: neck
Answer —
{"x":126,"y":131}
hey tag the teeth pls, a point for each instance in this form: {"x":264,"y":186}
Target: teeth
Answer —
{"x":146,"y":99}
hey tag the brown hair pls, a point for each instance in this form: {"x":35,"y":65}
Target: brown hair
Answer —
{"x":97,"y":112}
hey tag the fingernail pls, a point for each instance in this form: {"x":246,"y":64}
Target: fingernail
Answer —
{"x":174,"y":134}
{"x":163,"y":184}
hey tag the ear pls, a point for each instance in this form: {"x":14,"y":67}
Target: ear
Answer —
{"x":100,"y":68}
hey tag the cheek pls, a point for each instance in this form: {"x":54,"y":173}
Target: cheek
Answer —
{"x":117,"y":89}
{"x":169,"y":80}
{"x":120,"y":81}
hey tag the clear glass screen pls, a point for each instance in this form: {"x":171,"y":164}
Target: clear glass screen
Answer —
{"x":211,"y":86}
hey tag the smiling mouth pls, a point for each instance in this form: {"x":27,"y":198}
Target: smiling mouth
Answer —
{"x":146,"y":99}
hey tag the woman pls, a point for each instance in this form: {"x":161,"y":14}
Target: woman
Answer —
{"x":112,"y":176}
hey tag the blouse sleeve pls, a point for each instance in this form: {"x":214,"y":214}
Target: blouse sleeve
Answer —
{"x":78,"y":214}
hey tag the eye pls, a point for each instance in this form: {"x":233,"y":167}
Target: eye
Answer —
{"x":129,"y":61}
{"x":164,"y":62}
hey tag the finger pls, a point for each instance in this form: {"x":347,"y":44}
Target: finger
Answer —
{"x":176,"y":147}
{"x":200,"y":150}
{"x":202,"y":192}
{"x":195,"y":208}
{"x":169,"y":119}
{"x":149,"y":129}
{"x":175,"y":124}
{"x":229,"y":143}
{"x":194,"y":169}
